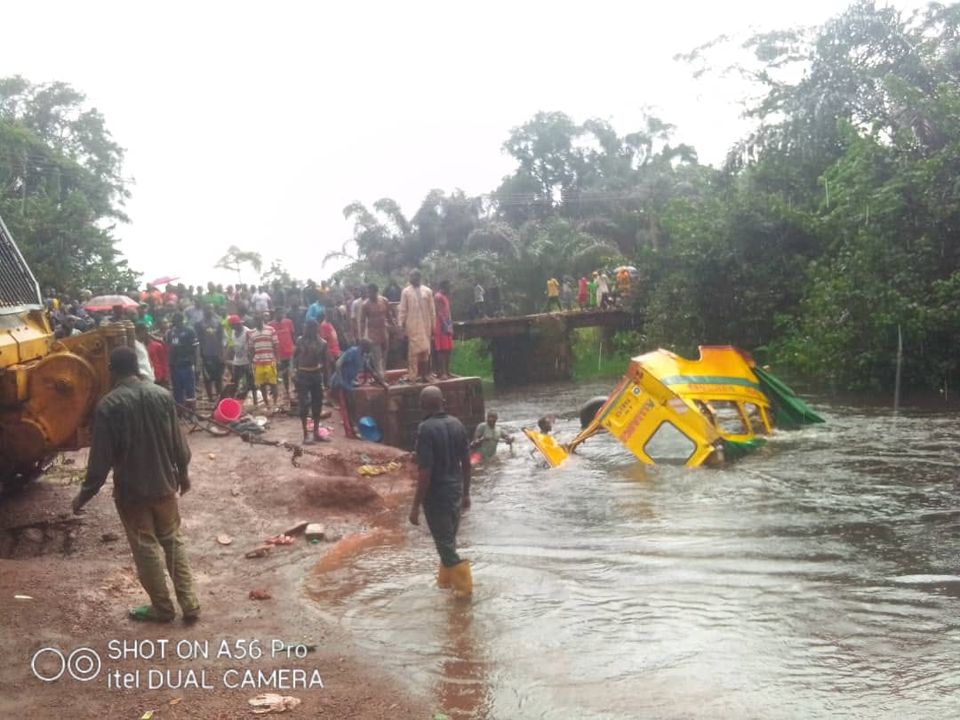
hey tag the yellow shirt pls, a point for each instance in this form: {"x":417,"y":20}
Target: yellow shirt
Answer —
{"x":553,"y":288}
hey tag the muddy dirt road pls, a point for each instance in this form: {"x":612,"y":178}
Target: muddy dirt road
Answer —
{"x":79,"y":576}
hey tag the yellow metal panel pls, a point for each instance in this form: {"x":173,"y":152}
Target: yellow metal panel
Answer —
{"x":638,"y":410}
{"x":551,"y":450}
{"x":23,"y":337}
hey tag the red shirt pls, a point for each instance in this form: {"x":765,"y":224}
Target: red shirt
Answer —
{"x":284,"y":330}
{"x":157,"y":352}
{"x":328,"y":333}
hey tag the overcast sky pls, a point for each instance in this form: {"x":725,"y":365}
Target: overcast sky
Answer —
{"x":255,"y":124}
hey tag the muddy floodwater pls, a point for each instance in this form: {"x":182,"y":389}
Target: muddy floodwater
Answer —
{"x":819,"y":578}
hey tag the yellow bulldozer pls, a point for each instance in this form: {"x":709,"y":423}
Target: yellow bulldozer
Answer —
{"x":48,"y":387}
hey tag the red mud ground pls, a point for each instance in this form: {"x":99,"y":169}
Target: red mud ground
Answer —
{"x":82,"y":586}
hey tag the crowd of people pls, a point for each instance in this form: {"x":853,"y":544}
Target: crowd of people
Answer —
{"x":596,"y":292}
{"x":602,"y":290}
{"x":252,"y":341}
{"x":247,"y":341}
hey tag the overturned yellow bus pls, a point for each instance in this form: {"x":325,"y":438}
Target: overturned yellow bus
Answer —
{"x":671,"y":410}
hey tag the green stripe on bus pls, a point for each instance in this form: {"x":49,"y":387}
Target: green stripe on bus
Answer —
{"x":708,"y":380}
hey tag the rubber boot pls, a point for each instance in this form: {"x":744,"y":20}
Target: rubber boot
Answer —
{"x":461,"y":579}
{"x":443,"y":576}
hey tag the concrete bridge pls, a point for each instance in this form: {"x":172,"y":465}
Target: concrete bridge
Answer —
{"x":536,"y":348}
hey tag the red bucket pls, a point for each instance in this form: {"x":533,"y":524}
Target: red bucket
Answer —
{"x":228,"y":411}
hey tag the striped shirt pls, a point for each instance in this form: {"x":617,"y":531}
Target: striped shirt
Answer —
{"x":263,"y":345}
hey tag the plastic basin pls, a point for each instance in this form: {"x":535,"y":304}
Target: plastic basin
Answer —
{"x":369,"y":430}
{"x":227,"y":411}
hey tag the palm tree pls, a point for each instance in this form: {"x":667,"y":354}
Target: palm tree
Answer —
{"x":378,"y":243}
{"x":236,"y":258}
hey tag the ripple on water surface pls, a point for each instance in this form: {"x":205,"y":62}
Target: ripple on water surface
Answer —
{"x":816,"y":579}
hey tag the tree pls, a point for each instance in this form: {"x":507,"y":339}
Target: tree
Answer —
{"x":236,"y":258}
{"x":277,"y":273}
{"x":61,"y":186}
{"x":840,"y":210}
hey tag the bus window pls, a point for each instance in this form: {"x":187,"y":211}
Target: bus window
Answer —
{"x":728,"y":417}
{"x":668,"y":445}
{"x":755,"y":416}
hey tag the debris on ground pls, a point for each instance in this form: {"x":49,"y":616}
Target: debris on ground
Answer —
{"x":247,"y":426}
{"x":23,"y":597}
{"x":109,"y":537}
{"x":33,"y":534}
{"x":296,"y":528}
{"x":314,"y":531}
{"x":248,"y":493}
{"x":272,"y":703}
{"x":259,"y":552}
{"x":260,"y":594}
{"x":279,"y":540}
{"x":374,"y":470}
{"x":224,"y":539}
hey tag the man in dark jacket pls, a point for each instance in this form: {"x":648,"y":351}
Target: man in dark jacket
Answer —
{"x":136,"y":434}
{"x":443,"y":487}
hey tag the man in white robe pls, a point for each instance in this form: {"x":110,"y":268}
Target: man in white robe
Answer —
{"x":417,"y":317}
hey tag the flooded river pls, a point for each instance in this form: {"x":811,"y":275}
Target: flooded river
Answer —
{"x":817,"y":579}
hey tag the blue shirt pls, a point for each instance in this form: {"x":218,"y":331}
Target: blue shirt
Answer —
{"x":353,"y":362}
{"x":315,"y":312}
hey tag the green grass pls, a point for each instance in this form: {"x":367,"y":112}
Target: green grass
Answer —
{"x":589,"y":363}
{"x":472,"y":359}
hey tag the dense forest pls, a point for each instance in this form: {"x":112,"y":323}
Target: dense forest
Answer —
{"x":835,"y":223}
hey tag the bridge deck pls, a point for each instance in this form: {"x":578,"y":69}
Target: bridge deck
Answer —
{"x":513,"y":326}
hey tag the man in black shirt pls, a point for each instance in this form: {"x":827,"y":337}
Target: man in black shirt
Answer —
{"x":182,"y":345}
{"x":443,"y":487}
{"x":310,"y":367}
{"x":210,"y":332}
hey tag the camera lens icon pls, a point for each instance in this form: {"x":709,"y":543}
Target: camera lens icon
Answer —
{"x":83,"y":664}
{"x":49,"y":664}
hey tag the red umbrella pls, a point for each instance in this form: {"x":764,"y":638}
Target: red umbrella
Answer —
{"x":106,"y":303}
{"x":163,"y":280}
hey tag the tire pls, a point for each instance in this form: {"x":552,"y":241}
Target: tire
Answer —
{"x":588,"y":411}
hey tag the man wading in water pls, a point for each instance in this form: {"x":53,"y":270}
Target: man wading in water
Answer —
{"x":136,"y":433}
{"x":443,"y":487}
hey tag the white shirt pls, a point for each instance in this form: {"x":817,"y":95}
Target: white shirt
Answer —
{"x":261,"y":302}
{"x":355,"y":315}
{"x":478,"y":294}
{"x":143,"y":361}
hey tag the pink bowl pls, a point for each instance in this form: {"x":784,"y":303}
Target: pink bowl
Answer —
{"x":228,"y":411}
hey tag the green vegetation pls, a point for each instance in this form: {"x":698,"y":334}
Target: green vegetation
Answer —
{"x":832,"y":224}
{"x":61,"y":187}
{"x":590,"y":363}
{"x":471,"y":358}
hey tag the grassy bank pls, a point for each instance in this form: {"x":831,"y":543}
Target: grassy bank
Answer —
{"x":472,"y":358}
{"x":593,"y":358}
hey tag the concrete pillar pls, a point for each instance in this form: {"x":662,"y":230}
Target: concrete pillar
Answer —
{"x":542,"y":355}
